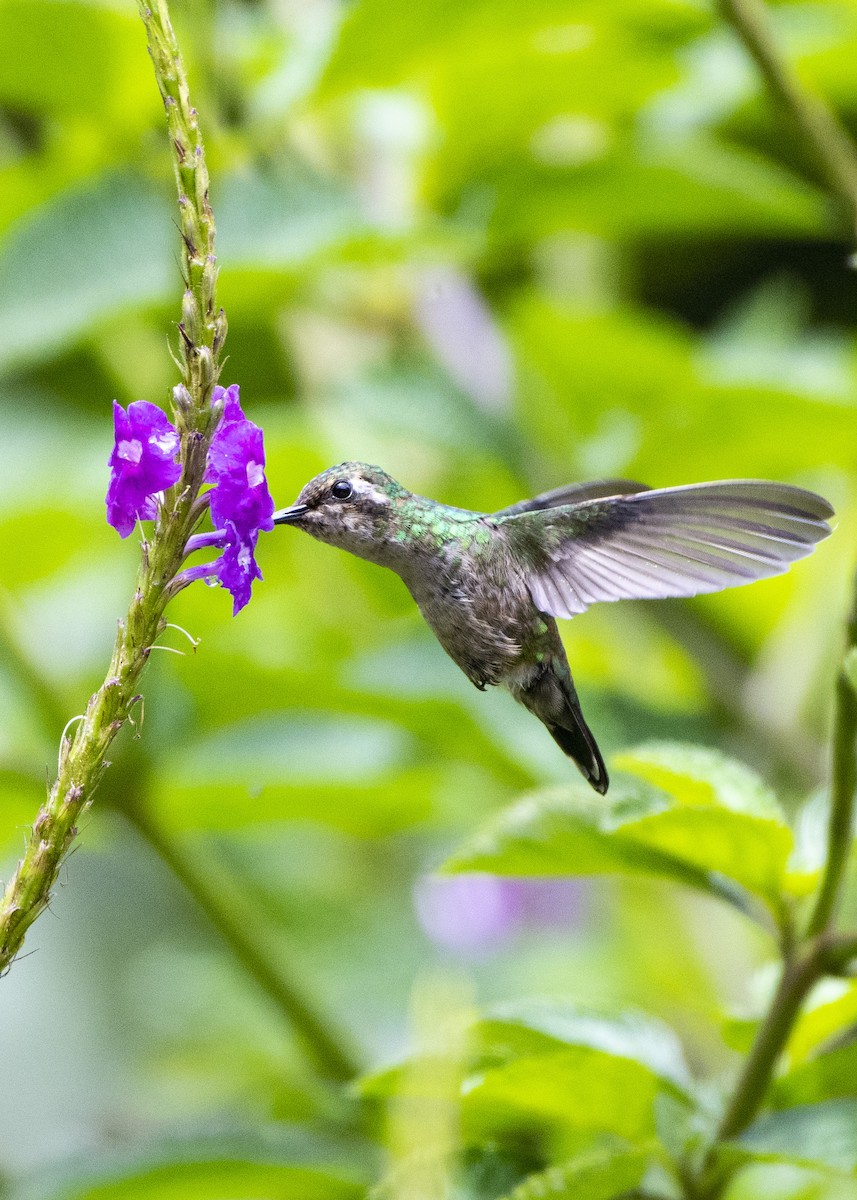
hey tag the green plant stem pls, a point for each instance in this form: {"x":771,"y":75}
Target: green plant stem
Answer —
{"x":827,"y":139}
{"x":799,"y":975}
{"x":83,"y":757}
{"x":819,"y":951}
{"x":840,"y":828}
{"x":225,"y":908}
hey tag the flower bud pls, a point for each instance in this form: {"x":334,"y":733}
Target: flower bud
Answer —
{"x":220,"y":327}
{"x":182,"y":398}
{"x":190,"y":316}
{"x":205,"y":361}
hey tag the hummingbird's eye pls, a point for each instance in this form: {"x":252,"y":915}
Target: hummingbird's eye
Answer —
{"x":341,"y":490}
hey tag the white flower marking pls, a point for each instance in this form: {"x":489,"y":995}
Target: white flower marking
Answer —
{"x":131,"y":452}
{"x":166,"y":441}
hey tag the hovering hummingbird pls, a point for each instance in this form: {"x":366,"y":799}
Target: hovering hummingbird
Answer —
{"x":490,"y":584}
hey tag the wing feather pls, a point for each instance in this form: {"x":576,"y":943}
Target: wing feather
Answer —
{"x":682,"y":541}
{"x":574,"y":493}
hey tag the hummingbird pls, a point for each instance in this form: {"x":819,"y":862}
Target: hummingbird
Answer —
{"x":491,"y":585}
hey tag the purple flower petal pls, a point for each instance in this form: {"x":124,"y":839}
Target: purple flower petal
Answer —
{"x":235,"y":570}
{"x":142,"y":464}
{"x":237,"y":566}
{"x":236,"y":468}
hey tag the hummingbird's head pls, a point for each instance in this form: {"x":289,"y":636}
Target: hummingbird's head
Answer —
{"x":352,"y":506}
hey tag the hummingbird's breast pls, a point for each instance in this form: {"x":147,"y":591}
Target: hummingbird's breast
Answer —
{"x":473,"y":595}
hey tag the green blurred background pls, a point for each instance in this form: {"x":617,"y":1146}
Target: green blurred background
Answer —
{"x":493,"y":247}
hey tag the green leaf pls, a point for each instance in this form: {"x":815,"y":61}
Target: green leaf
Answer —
{"x":725,"y":819}
{"x":550,"y":1063}
{"x":296,"y":765}
{"x":555,"y":1063}
{"x":231,"y":1167}
{"x":75,"y":57}
{"x":782,"y":1181}
{"x":579,"y":1088}
{"x":638,"y":830}
{"x":709,"y":187}
{"x":829,"y":1076}
{"x":820,"y":1133}
{"x":829,"y":1012}
{"x":277,"y":221}
{"x":109,"y":245}
{"x":598,"y":1176}
{"x":831,"y":1009}
{"x":698,"y":776}
{"x":577,"y":361}
{"x":529,"y":1026}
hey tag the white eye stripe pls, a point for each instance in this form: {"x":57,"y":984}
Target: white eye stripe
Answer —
{"x":363,"y":487}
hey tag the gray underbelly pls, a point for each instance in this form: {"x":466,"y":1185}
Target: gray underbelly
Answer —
{"x":486,"y":643}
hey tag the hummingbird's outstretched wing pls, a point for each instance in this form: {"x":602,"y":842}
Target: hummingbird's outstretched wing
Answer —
{"x":574,"y":493}
{"x":679,"y":541}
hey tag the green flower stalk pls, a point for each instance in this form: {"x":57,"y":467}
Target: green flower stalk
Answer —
{"x":202,"y":328}
{"x":83,"y":756}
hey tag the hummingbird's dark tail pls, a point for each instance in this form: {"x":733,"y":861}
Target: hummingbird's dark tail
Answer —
{"x":550,"y":695}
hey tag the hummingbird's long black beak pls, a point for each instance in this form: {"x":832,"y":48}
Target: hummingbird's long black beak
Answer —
{"x":287,"y":515}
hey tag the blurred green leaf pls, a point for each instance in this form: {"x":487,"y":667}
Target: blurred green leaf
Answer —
{"x":594,"y":1177}
{"x":832,"y":1008}
{"x":818,"y":1133}
{"x":699,"y":777}
{"x":578,"y":1087}
{"x":580,"y":363}
{"x":555,"y":1064}
{"x":232,"y":1167}
{"x":829,"y":1013}
{"x":531,"y":1026}
{"x":107,"y":244}
{"x":779,"y":1181}
{"x":640,"y":829}
{"x":829,"y":1076}
{"x":725,"y":818}
{"x":706,"y":188}
{"x":276,"y":221}
{"x":75,"y":57}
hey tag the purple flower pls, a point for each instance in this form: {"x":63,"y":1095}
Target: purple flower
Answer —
{"x":236,"y":568}
{"x":239,"y":501}
{"x":467,"y":913}
{"x":475,"y":913}
{"x":236,"y":467}
{"x":142,"y":464}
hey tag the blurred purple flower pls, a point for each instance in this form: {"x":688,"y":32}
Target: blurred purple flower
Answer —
{"x":476,"y":913}
{"x":239,"y":501}
{"x":458,"y":325}
{"x":143,"y":463}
